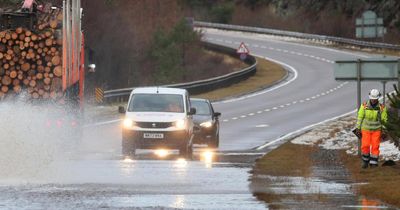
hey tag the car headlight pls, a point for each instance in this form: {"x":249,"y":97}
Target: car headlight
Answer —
{"x":206,"y":124}
{"x":180,"y":124}
{"x":128,"y":123}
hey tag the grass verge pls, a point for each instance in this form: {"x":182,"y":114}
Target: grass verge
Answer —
{"x":383,"y":183}
{"x":267,"y":74}
{"x":286,"y":160}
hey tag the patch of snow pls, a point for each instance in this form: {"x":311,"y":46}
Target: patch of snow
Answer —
{"x":338,"y":135}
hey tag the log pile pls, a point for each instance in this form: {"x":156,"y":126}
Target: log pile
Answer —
{"x":31,"y":61}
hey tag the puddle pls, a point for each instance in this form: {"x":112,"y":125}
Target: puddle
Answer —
{"x":301,"y":185}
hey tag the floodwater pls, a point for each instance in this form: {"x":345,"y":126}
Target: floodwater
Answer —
{"x":42,"y":167}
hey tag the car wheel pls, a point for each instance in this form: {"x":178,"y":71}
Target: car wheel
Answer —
{"x":214,"y":142}
{"x":128,"y":147}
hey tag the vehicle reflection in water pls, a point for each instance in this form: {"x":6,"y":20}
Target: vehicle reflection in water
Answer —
{"x":181,"y":163}
{"x":161,"y":153}
{"x":207,"y":157}
{"x":127,"y":165}
{"x":179,"y":202}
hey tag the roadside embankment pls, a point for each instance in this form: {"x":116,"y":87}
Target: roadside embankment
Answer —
{"x":321,"y":167}
{"x":267,"y":74}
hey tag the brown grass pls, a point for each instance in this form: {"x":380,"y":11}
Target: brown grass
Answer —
{"x":383,"y":182}
{"x":287,"y":160}
{"x":267,"y":73}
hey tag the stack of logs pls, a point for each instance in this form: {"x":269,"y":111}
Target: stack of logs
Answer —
{"x":31,"y":61}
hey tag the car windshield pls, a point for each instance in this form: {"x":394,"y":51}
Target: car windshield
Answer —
{"x":156,"y":103}
{"x":202,"y":107}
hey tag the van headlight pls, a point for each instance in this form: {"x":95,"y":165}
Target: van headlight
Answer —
{"x":128,"y":123}
{"x":180,"y":124}
{"x":206,"y":124}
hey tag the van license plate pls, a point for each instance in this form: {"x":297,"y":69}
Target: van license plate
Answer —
{"x":153,"y":135}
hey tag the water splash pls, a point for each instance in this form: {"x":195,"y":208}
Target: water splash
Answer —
{"x":32,"y":137}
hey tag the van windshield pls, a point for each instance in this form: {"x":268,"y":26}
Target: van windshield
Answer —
{"x":156,"y":103}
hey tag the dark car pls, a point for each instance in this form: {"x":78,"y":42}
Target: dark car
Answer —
{"x":206,"y":123}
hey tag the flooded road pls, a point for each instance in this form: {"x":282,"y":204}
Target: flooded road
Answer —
{"x":94,"y":184}
{"x":94,"y":176}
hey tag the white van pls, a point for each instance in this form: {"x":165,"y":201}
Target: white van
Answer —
{"x":158,"y":118}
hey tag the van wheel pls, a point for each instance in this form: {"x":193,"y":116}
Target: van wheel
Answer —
{"x":128,"y":147}
{"x":214,"y":143}
{"x":186,"y":151}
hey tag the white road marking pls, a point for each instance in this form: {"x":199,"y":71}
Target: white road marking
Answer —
{"x":259,"y":112}
{"x":102,"y":123}
{"x":234,"y":118}
{"x":295,"y":76}
{"x":243,"y":116}
{"x":282,"y":106}
{"x":275,"y":108}
{"x":267,"y":110}
{"x":262,"y":126}
{"x":251,"y":114}
{"x":225,"y":120}
{"x":299,"y":131}
{"x":288,"y":104}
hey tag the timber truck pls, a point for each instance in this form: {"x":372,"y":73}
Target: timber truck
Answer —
{"x":42,"y":58}
{"x":42,"y":52}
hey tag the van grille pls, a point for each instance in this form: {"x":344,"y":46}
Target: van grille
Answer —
{"x":154,"y":124}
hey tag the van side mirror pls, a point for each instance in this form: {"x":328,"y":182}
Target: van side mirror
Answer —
{"x":121,"y":110}
{"x":192,"y":111}
{"x":217,"y":114}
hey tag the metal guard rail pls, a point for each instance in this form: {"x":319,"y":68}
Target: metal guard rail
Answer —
{"x":200,"y":86}
{"x":297,"y":35}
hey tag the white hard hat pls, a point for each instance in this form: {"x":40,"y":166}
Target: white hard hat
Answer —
{"x":374,"y":94}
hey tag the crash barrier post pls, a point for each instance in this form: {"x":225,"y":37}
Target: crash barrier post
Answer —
{"x":99,"y":95}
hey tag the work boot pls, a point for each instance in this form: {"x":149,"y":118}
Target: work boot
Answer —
{"x":364,"y":164}
{"x":373,"y":165}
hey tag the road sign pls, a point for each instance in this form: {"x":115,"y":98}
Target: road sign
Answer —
{"x":375,"y":69}
{"x":243,"y":49}
{"x":369,"y":26}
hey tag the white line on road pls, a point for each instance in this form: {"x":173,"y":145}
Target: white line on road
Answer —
{"x":102,"y":123}
{"x":297,"y":132}
{"x":270,"y":89}
{"x":262,"y":126}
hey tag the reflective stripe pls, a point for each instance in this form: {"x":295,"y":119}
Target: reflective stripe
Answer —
{"x":374,"y":157}
{"x":365,"y":158}
{"x":373,"y":162}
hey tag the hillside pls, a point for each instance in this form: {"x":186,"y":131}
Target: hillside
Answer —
{"x":335,"y":17}
{"x":136,"y":43}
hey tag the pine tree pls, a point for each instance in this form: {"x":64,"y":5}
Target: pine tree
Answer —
{"x":393,"y":125}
